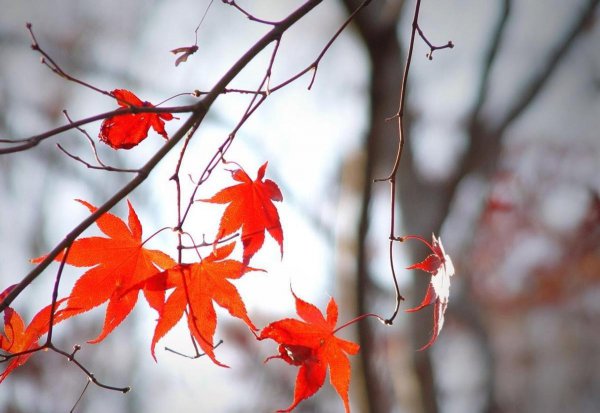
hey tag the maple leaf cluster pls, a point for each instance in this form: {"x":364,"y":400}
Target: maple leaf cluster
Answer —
{"x":120,"y":266}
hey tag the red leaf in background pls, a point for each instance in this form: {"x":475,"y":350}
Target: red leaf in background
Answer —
{"x":197,"y":285}
{"x":126,"y":131}
{"x":16,"y":338}
{"x":120,"y":265}
{"x":440,"y":266}
{"x":250,"y":208}
{"x":312,"y":345}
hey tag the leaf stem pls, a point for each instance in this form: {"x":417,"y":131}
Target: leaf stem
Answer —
{"x":361,"y":317}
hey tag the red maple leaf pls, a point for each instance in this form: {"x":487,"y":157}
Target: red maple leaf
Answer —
{"x":312,"y":345}
{"x":126,"y":131}
{"x":197,"y":285}
{"x":250,"y":208}
{"x":120,"y":265}
{"x":440,"y":266}
{"x":16,"y":338}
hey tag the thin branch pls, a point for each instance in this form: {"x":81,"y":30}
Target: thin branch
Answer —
{"x":202,"y":20}
{"x":71,"y":358}
{"x":87,"y":384}
{"x":248,"y":15}
{"x":315,"y":64}
{"x":490,"y":60}
{"x":32,"y":141}
{"x":392,"y":176}
{"x":198,"y":93}
{"x":88,"y":373}
{"x":55,"y":296}
{"x":359,"y":318}
{"x":350,"y":18}
{"x":195,"y":356}
{"x":530,"y":92}
{"x":90,"y":166}
{"x":101,"y":165}
{"x":190,"y":50}
{"x":205,"y":243}
{"x":433,"y":48}
{"x":52,"y":65}
{"x":222,"y":150}
{"x":175,"y":178}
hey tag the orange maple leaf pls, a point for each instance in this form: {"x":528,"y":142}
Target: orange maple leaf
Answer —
{"x":250,"y":208}
{"x":126,"y":131}
{"x":120,"y":265}
{"x":312,"y":345}
{"x":16,"y":338}
{"x":197,"y":285}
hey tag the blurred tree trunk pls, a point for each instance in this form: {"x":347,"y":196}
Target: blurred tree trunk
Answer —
{"x":426,"y":204}
{"x":377,"y":26}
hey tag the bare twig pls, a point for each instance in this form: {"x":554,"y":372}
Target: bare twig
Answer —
{"x":88,"y":373}
{"x":530,"y":92}
{"x":198,"y":93}
{"x":55,"y":295}
{"x":28,"y":143}
{"x":315,"y":64}
{"x":87,"y":383}
{"x":248,"y":15}
{"x":433,"y":48}
{"x":101,"y":165}
{"x":71,"y":358}
{"x":195,"y":356}
{"x":490,"y":59}
{"x":90,"y":166}
{"x":391,"y":178}
{"x":52,"y":65}
{"x":205,"y":243}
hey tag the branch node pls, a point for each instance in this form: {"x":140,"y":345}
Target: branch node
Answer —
{"x":76,"y":348}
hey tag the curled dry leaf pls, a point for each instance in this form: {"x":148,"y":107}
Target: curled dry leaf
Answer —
{"x":440,"y":266}
{"x":187,"y":52}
